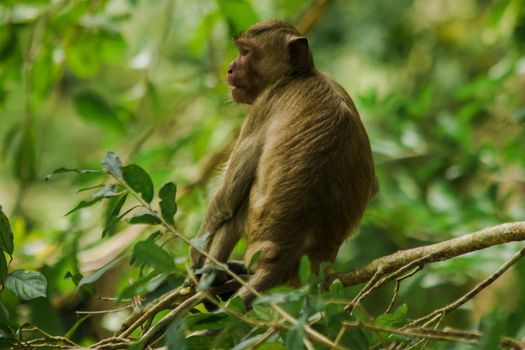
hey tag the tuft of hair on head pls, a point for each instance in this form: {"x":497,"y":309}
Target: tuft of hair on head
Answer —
{"x":274,"y":26}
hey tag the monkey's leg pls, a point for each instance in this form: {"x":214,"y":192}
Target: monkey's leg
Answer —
{"x":221,"y":239}
{"x":277,"y":265}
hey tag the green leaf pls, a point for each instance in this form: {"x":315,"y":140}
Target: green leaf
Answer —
{"x":305,"y":270}
{"x":4,"y":318}
{"x":113,"y":215}
{"x":68,"y":15}
{"x":398,"y":318}
{"x":143,"y":285}
{"x":335,"y":292}
{"x":27,"y":285}
{"x":271,"y":346}
{"x":94,"y":277}
{"x":264,"y":313}
{"x":111,"y":164}
{"x":251,"y":342}
{"x":6,"y":235}
{"x":168,"y":207}
{"x":3,"y":267}
{"x":84,"y":204}
{"x":144,"y":217}
{"x":207,"y":321}
{"x":93,"y":108}
{"x":295,"y":336}
{"x":236,"y":304}
{"x":139,"y":181}
{"x":356,"y":338}
{"x":84,"y":189}
{"x":108,"y":191}
{"x":112,"y":46}
{"x":77,"y":324}
{"x":253,"y":260}
{"x":68,"y":170}
{"x":76,"y":278}
{"x":150,"y":254}
{"x":286,"y":295}
{"x":175,"y":337}
{"x":200,"y":342}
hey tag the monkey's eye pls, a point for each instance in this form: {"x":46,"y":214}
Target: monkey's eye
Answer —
{"x":243,"y":50}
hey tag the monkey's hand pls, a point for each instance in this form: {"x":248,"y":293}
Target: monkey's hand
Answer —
{"x":222,"y":285}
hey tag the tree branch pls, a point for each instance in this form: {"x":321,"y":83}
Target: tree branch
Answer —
{"x":504,"y":233}
{"x":473,"y":292}
{"x":434,"y":334}
{"x":161,"y":326}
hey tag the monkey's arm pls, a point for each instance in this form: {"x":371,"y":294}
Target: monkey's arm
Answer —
{"x":237,"y":180}
{"x":229,"y":197}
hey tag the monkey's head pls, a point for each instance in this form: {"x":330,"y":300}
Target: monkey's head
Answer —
{"x":268,"y":51}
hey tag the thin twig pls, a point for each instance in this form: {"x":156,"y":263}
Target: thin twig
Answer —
{"x":87,"y":312}
{"x":434,"y":334}
{"x":248,"y":320}
{"x":112,"y":340}
{"x":49,"y":336}
{"x":373,"y":284}
{"x":161,"y":326}
{"x":362,"y":292}
{"x":170,"y":228}
{"x":398,"y":284}
{"x":134,"y":321}
{"x":452,"y":306}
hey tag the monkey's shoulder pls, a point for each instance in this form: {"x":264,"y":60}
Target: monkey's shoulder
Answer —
{"x":317,"y":98}
{"x":317,"y":92}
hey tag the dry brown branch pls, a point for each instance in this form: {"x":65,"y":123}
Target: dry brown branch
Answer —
{"x":363,"y":292}
{"x":161,"y":326}
{"x":312,"y":333}
{"x":398,"y":284}
{"x":504,"y":233}
{"x":140,"y":316}
{"x":312,"y":15}
{"x":87,"y":312}
{"x":47,"y":337}
{"x":112,"y":343}
{"x":377,"y":282}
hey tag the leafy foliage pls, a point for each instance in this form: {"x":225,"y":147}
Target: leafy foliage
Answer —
{"x":439,"y":87}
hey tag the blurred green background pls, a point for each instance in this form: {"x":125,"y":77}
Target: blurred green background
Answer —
{"x":440,"y":85}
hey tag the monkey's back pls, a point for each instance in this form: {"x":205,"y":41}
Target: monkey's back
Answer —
{"x":315,"y":176}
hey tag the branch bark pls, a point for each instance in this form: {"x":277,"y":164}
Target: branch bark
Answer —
{"x":488,"y":237}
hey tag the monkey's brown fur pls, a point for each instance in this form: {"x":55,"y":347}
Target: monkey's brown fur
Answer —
{"x":301,"y":173}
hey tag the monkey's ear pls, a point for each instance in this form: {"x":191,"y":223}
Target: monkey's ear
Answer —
{"x":300,"y":56}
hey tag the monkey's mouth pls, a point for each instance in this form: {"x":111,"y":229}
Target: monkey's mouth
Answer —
{"x":233,"y":82}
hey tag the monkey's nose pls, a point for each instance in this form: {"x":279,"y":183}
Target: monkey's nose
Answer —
{"x":230,"y":67}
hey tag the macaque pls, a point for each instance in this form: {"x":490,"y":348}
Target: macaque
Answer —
{"x":301,"y":173}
